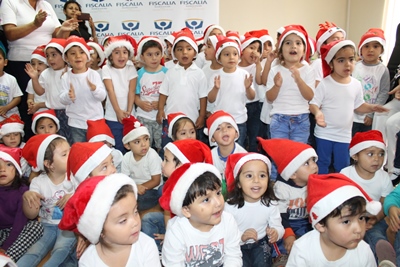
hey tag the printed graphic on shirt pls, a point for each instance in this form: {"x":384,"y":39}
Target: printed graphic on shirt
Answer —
{"x":207,"y":255}
{"x":49,"y":210}
{"x":370,"y":88}
{"x":4,"y":92}
{"x":297,"y":209}
{"x":152,"y":90}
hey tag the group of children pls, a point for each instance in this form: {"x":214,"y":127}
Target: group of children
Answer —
{"x":105,"y":196}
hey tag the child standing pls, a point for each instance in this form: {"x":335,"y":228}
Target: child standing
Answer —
{"x":337,"y":95}
{"x":45,"y":122}
{"x":252,"y":202}
{"x":97,"y":58}
{"x":120,"y":80}
{"x":82,"y":89}
{"x":201,"y":233}
{"x":104,"y":210}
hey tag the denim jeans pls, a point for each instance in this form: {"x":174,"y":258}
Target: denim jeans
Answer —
{"x":257,"y":254}
{"x":253,"y":124}
{"x":64,"y":127}
{"x":325,"y":149}
{"x":116,"y":129}
{"x":242,"y":134}
{"x":397,"y":248}
{"x":77,"y":134}
{"x":61,"y":244}
{"x":376,"y":233}
{"x":148,"y":200}
{"x":153,"y":223}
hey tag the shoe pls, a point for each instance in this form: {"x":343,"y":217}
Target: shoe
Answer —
{"x":395,"y":173}
{"x":280,"y":261}
{"x":386,"y":263}
{"x":385,"y":251}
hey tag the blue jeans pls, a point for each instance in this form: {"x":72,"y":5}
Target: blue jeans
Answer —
{"x":153,"y":223}
{"x":148,"y":200}
{"x":257,"y":254}
{"x":397,"y":248}
{"x":376,"y":233}
{"x":242,"y":134}
{"x":77,"y":134}
{"x":64,"y":127}
{"x":253,"y":124}
{"x":325,"y":149}
{"x":116,"y":129}
{"x":61,"y":244}
{"x":299,"y":227}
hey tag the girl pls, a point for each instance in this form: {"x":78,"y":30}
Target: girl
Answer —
{"x":211,"y":30}
{"x":251,"y":201}
{"x":16,"y":231}
{"x":12,"y":131}
{"x":180,"y":127}
{"x":114,"y":230}
{"x":97,"y":58}
{"x":45,"y":122}
{"x":48,"y":193}
{"x":120,"y":81}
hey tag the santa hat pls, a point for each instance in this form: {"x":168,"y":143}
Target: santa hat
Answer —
{"x":49,"y":113}
{"x":171,"y":38}
{"x":84,"y":158}
{"x":288,"y":155}
{"x":98,"y":131}
{"x":313,"y":45}
{"x":133,"y":42}
{"x":77,"y":41}
{"x":177,"y":185}
{"x":100,"y":51}
{"x":329,"y":191}
{"x":214,"y":39}
{"x":39,"y":54}
{"x":146,"y":39}
{"x":172,"y":119}
{"x":116,"y":42}
{"x":224,"y":43}
{"x":299,"y":31}
{"x":363,"y":140}
{"x":34,"y":150}
{"x":234,"y":165}
{"x":209,"y":29}
{"x":234,"y":35}
{"x":6,"y":261}
{"x":12,"y":155}
{"x":215,"y":119}
{"x":280,"y":30}
{"x":326,"y":30}
{"x":87,"y":210}
{"x":329,"y":51}
{"x":56,"y":43}
{"x":373,"y":34}
{"x":105,"y":39}
{"x":12,"y":124}
{"x":133,"y":129}
{"x":263,"y":35}
{"x":190,"y":151}
{"x":249,"y":39}
{"x":185,"y":35}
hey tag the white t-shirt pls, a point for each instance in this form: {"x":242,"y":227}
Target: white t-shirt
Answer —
{"x":316,"y":65}
{"x":169,"y":64}
{"x":292,"y":200}
{"x":306,"y":251}
{"x":210,"y":73}
{"x":185,"y":245}
{"x":251,"y":69}
{"x":50,"y":80}
{"x":9,"y":89}
{"x":120,"y":79}
{"x":36,"y":98}
{"x":144,"y":253}
{"x":201,"y":60}
{"x":337,"y":102}
{"x":219,"y":163}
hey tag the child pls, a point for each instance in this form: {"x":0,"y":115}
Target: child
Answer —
{"x":97,"y":58}
{"x":337,"y":95}
{"x":120,"y":80}
{"x":337,"y":208}
{"x":374,"y":77}
{"x":82,"y":89}
{"x":150,"y":78}
{"x":16,"y":231}
{"x":45,"y":122}
{"x":10,"y":91}
{"x":104,"y":210}
{"x":169,"y":41}
{"x":180,"y":127}
{"x":211,"y":30}
{"x":36,"y":102}
{"x":252,"y":202}
{"x":48,"y":193}
{"x":201,"y":233}
{"x":141,"y":163}
{"x":12,"y":131}
{"x":232,"y":87}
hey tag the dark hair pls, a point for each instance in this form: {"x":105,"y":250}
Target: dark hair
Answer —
{"x":49,"y":153}
{"x":346,"y":46}
{"x":259,"y":47}
{"x":58,"y":51}
{"x":356,"y":205}
{"x":41,"y":119}
{"x":3,"y":54}
{"x":280,"y":54}
{"x":180,"y":123}
{"x":18,"y":181}
{"x":69,"y":2}
{"x":150,"y":44}
{"x":122,"y":193}
{"x":206,"y":181}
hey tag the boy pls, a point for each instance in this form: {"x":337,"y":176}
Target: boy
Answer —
{"x":337,"y":208}
{"x":201,"y":234}
{"x":141,"y":163}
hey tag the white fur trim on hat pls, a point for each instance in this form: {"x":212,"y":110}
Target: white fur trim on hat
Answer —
{"x":12,"y":127}
{"x":373,"y":39}
{"x":142,"y":42}
{"x":101,"y":138}
{"x":187,"y":39}
{"x":366,"y":144}
{"x":71,"y":44}
{"x":44,"y":115}
{"x":99,"y":51}
{"x":297,"y":162}
{"x":216,"y":123}
{"x":135,"y":133}
{"x":332,"y":52}
{"x":173,"y":121}
{"x":116,"y":44}
{"x":185,"y":181}
{"x":249,"y":157}
{"x":54,"y":45}
{"x":298,"y":33}
{"x":92,"y":220}
{"x":230,"y":43}
{"x":249,"y":41}
{"x":42,"y":150}
{"x":6,"y":157}
{"x":266,"y":38}
{"x":177,"y":153}
{"x":40,"y":58}
{"x":280,"y":30}
{"x":210,"y":29}
{"x":321,"y":40}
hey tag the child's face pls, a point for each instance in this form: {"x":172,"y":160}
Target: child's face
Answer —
{"x":152,"y":58}
{"x":292,"y":48}
{"x":95,"y":60}
{"x":369,"y":161}
{"x":38,"y":65}
{"x":168,"y":164}
{"x":3,"y":62}
{"x":343,"y":63}
{"x":209,"y":51}
{"x":335,"y":37}
{"x":169,"y":48}
{"x":54,"y":58}
{"x":186,"y":131}
{"x":184,"y":53}
{"x":267,"y":49}
{"x":253,"y":180}
{"x":46,"y":126}
{"x":7,"y":173}
{"x":205,"y":211}
{"x":139,"y":147}
{"x":77,"y":58}
{"x":225,"y":134}
{"x":122,"y":225}
{"x":60,"y":158}
{"x":251,"y":53}
{"x":105,"y":168}
{"x":119,"y":57}
{"x":216,"y":31}
{"x":229,"y":58}
{"x":12,"y":139}
{"x":300,"y":177}
{"x":371,"y":52}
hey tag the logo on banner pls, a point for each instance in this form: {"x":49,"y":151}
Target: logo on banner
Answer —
{"x":194,"y":24}
{"x":193,"y":2}
{"x":59,"y":6}
{"x":98,"y":4}
{"x":102,"y":28}
{"x":162,"y":27}
{"x":129,"y":4}
{"x":162,"y":3}
{"x":131,"y":27}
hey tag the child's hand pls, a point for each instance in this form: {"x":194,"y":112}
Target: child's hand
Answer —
{"x":141,"y":189}
{"x":160,"y":116}
{"x":199,"y":122}
{"x":3,"y":111}
{"x":32,"y":73}
{"x":396,"y":92}
{"x":379,"y":108}
{"x":217,"y":82}
{"x":33,"y":199}
{"x":159,"y":237}
{"x":278,"y":80}
{"x":272,"y":234}
{"x":295,"y":74}
{"x":33,"y":108}
{"x":248,"y":81}
{"x":249,"y":234}
{"x":288,"y":243}
{"x":367,"y":121}
{"x":154,"y":105}
{"x":371,"y":222}
{"x":81,"y":244}
{"x":393,"y":218}
{"x":146,"y":106}
{"x":320,"y":119}
{"x":91,"y":85}
{"x":271,"y":56}
{"x":120,"y":115}
{"x":63,"y":201}
{"x":71,"y":92}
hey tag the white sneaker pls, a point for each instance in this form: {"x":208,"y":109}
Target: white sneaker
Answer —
{"x":386,"y":263}
{"x":394,"y":174}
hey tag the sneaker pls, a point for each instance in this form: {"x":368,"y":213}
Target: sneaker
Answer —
{"x":280,"y":261}
{"x":395,"y":173}
{"x":386,"y":263}
{"x":385,"y":251}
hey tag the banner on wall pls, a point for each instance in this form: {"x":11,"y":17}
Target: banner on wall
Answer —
{"x":147,"y":17}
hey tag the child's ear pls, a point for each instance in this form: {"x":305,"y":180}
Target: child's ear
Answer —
{"x":236,"y":135}
{"x":127,"y":146}
{"x":293,"y":176}
{"x":47,"y":164}
{"x":213,"y":139}
{"x":5,"y":62}
{"x":320,"y":228}
{"x":331,"y":65}
{"x":355,"y":157}
{"x":186,"y":212}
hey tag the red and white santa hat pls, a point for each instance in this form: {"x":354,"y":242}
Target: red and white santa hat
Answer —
{"x":34,"y":150}
{"x":6,"y":261}
{"x":209,"y":29}
{"x":234,"y":35}
{"x":133,"y":129}
{"x":249,"y":39}
{"x":172,"y":119}
{"x":77,"y":41}
{"x":39,"y":54}
{"x":190,"y":151}
{"x":326,"y":30}
{"x":299,"y":31}
{"x":373,"y":34}
{"x":171,"y":38}
{"x":215,"y":119}
{"x":146,"y":39}
{"x":12,"y":124}
{"x":83,"y":158}
{"x":177,"y":185}
{"x":87,"y":210}
{"x":57,"y":43}
{"x":288,"y":155}
{"x":313,"y":45}
{"x":185,"y":35}
{"x":98,"y":131}
{"x":224,"y":43}
{"x":327,"y":192}
{"x":236,"y":161}
{"x":133,"y":42}
{"x":116,"y":42}
{"x":263,"y":35}
{"x":49,"y":113}
{"x":363,"y":140}
{"x":214,"y":39}
{"x":100,"y":52}
{"x":12,"y":155}
{"x":329,"y":51}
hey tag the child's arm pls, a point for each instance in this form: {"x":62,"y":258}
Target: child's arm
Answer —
{"x":97,"y":87}
{"x":272,"y":94}
{"x":14,"y":102}
{"x":368,"y":108}
{"x":249,"y":234}
{"x":202,"y":113}
{"x":67,"y":94}
{"x":161,"y":103}
{"x":212,"y":95}
{"x":233,"y":255}
{"x":145,"y":105}
{"x":258,"y":70}
{"x":34,"y":75}
{"x":113,"y":99}
{"x":305,"y":90}
{"x":153,"y":182}
{"x":267,"y":67}
{"x":391,"y":207}
{"x":250,"y":92}
{"x":31,"y":204}
{"x":319,"y":116}
{"x":131,"y":96}
{"x":35,"y":107}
